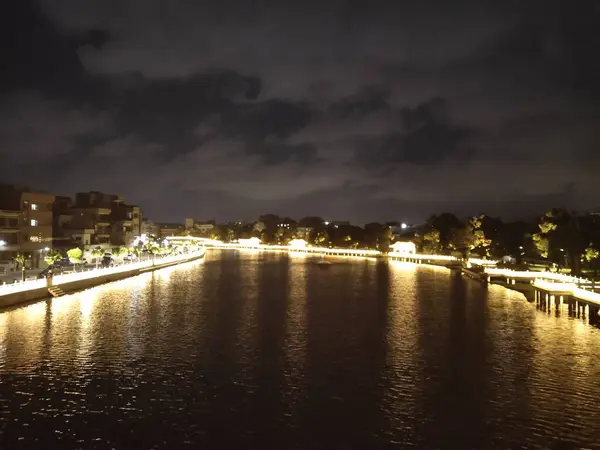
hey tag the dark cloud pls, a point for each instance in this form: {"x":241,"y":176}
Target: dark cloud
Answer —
{"x":227,"y":108}
{"x":368,"y":100}
{"x":426,"y":135}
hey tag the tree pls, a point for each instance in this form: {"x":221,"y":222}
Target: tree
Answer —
{"x":377,"y":236}
{"x":120,"y":251}
{"x":312,"y":222}
{"x":21,"y":259}
{"x":563,"y":237}
{"x":384,"y":239}
{"x":541,"y":239}
{"x":258,"y":228}
{"x":462,"y":240}
{"x":75,"y":255}
{"x":96,"y":254}
{"x":445,"y":223}
{"x":283,"y":235}
{"x":479,"y":241}
{"x":429,"y":241}
{"x":542,"y":244}
{"x":225,"y":233}
{"x":322,"y":238}
{"x":592,"y":258}
{"x":53,"y":256}
{"x":511,"y":238}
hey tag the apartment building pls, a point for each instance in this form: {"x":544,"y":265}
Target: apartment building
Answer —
{"x":10,"y":233}
{"x":149,"y":228}
{"x":96,"y":218}
{"x":26,"y":219}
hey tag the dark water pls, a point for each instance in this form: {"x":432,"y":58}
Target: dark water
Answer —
{"x":262,"y":350}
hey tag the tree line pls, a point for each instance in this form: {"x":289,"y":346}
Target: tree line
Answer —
{"x":558,"y":239}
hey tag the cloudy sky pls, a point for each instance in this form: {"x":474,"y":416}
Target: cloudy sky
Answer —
{"x":378,"y":110}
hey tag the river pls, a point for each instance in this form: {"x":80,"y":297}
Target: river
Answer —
{"x":258,"y":350}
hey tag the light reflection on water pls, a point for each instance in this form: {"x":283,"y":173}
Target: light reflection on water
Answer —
{"x":262,"y":350}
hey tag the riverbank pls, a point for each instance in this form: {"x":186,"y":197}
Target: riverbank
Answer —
{"x":19,"y":293}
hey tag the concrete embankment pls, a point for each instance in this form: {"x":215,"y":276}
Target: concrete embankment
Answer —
{"x":73,"y":285}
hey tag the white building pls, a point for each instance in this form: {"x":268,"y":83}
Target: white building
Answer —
{"x":252,"y":242}
{"x":404,"y":247}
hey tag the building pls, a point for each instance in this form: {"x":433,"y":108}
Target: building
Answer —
{"x":149,"y":228}
{"x":126,"y":223}
{"x":199,"y":227}
{"x":170,"y":229}
{"x":406,"y":248}
{"x":96,"y":218}
{"x":31,"y":213}
{"x":10,"y":235}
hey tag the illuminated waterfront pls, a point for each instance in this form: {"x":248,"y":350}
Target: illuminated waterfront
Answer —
{"x":268,"y":350}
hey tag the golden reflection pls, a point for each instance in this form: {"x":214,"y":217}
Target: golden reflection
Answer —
{"x":22,"y":334}
{"x":88,"y":301}
{"x":63,"y":305}
{"x":402,"y":338}
{"x":249,"y":265}
{"x":166,"y":273}
{"x":3,"y":330}
{"x":570,"y":339}
{"x":296,"y":323}
{"x":297,"y":255}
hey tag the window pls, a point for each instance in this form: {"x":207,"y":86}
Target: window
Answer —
{"x":34,"y":207}
{"x":33,"y":222}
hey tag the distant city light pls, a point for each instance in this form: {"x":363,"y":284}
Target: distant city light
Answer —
{"x":404,"y":226}
{"x":326,"y":223}
{"x":2,"y":243}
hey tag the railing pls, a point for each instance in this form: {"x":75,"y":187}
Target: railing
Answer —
{"x":538,"y":275}
{"x":21,"y":286}
{"x":570,"y":288}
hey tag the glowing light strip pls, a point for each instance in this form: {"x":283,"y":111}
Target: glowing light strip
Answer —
{"x":528,"y":274}
{"x":93,"y":273}
{"x":554,"y":287}
{"x":298,"y":246}
{"x":21,"y":286}
{"x":590,"y":296}
{"x":483,"y":262}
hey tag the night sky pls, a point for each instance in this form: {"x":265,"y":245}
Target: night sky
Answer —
{"x":359,"y":110}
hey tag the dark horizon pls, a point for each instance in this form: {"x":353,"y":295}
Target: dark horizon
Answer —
{"x":231,"y":109}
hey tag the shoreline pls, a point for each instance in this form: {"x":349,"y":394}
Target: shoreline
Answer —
{"x":43,"y":289}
